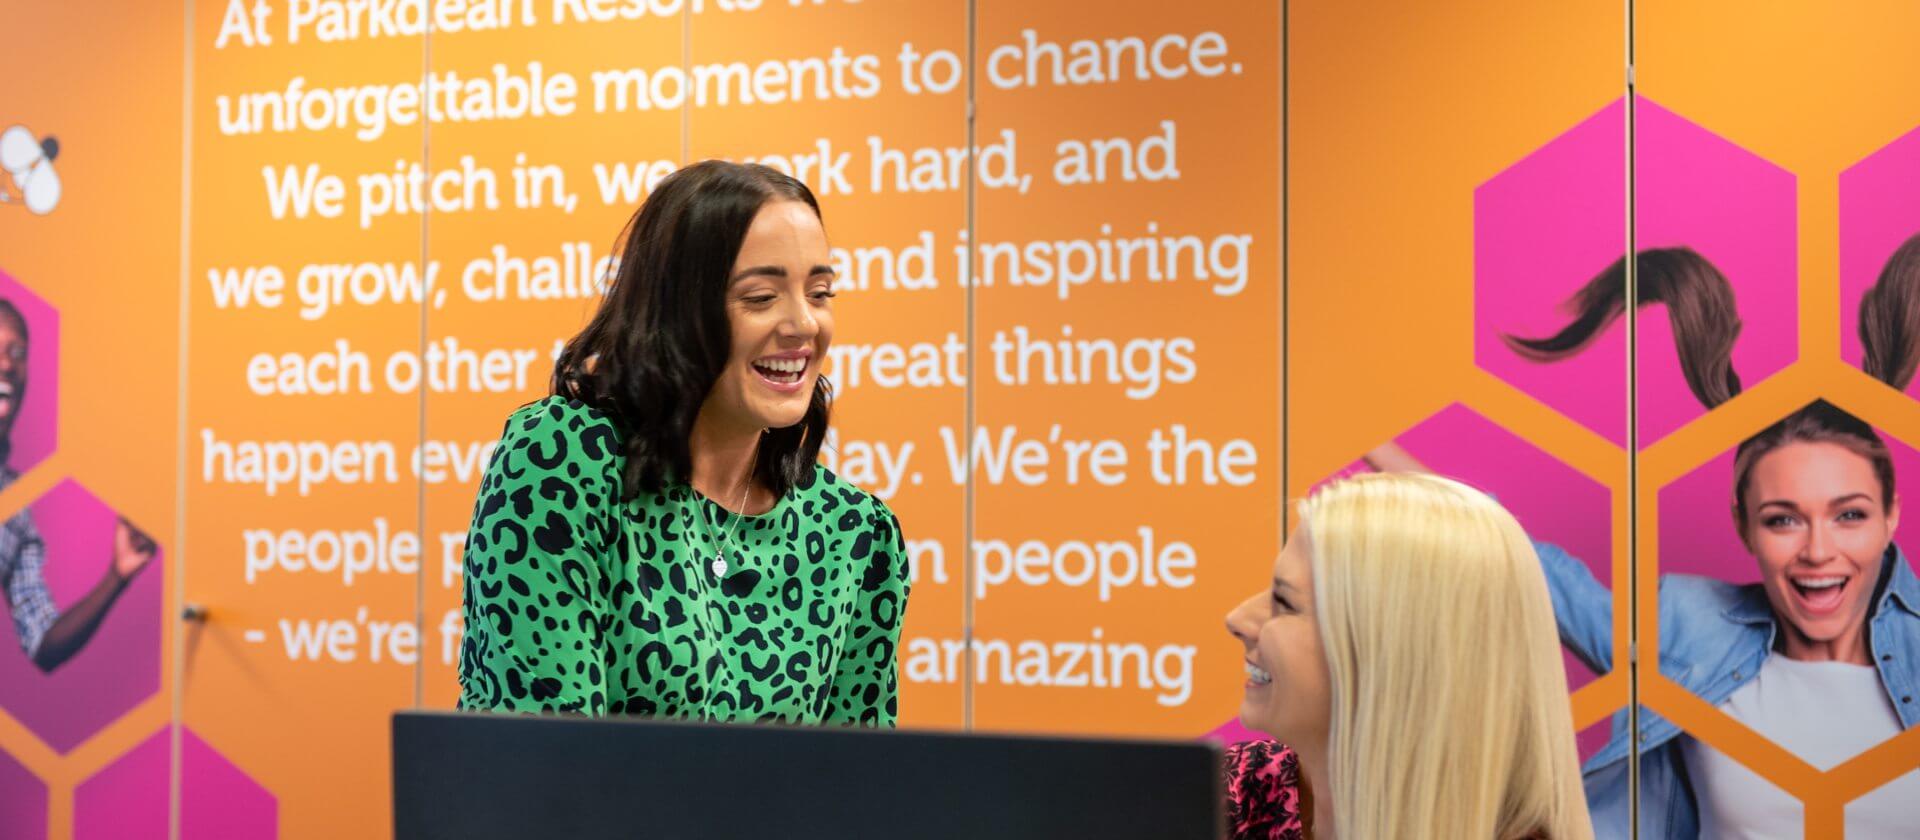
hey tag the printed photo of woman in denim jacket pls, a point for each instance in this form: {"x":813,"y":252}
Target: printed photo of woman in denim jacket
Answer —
{"x":1819,"y":656}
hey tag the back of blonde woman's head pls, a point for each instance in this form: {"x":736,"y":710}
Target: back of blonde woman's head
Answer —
{"x":1449,"y":706}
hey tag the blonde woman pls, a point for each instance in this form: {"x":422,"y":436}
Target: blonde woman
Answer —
{"x":1406,"y":652}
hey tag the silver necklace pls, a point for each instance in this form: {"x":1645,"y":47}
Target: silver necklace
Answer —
{"x":725,"y":543}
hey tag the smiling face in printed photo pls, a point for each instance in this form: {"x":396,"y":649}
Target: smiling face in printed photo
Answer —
{"x":779,"y":311}
{"x":1287,"y":693}
{"x":1819,"y":528}
{"x":13,"y":368}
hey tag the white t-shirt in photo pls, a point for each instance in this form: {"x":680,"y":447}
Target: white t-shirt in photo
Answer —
{"x":1823,"y":712}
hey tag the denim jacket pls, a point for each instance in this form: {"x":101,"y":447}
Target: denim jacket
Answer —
{"x":1713,"y":637}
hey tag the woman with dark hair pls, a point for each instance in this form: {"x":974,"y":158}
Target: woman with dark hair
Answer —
{"x":656,"y":538}
{"x":1819,"y":656}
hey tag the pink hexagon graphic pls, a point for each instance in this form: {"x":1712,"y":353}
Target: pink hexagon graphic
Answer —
{"x":1554,"y":221}
{"x":23,"y":802}
{"x":29,"y":376}
{"x":1554,"y":502}
{"x":107,"y":671}
{"x":1879,"y":214}
{"x":128,"y":799}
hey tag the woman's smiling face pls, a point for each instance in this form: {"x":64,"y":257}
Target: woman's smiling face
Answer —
{"x":1288,"y":689}
{"x":1819,"y":528}
{"x":780,"y":317}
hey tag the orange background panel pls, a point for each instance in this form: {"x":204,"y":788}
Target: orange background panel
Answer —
{"x":1355,"y":323}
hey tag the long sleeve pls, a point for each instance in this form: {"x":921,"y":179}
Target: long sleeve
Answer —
{"x":28,"y":601}
{"x":866,"y":684}
{"x":536,"y":589}
{"x":1582,"y":608}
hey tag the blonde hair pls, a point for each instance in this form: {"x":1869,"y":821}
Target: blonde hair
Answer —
{"x":1449,"y":706}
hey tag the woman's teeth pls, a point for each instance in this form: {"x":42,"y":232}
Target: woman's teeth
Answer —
{"x":1257,"y":675}
{"x":1820,"y":592}
{"x":781,"y":370}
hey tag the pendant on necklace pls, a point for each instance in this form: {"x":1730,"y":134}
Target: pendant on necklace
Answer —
{"x":719,"y":565}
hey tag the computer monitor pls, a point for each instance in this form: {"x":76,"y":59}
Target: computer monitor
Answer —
{"x":481,"y":776}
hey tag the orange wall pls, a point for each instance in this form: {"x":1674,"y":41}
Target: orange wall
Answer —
{"x":1394,"y":113}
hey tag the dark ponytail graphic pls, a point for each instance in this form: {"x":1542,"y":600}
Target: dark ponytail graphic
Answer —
{"x":1890,"y":330}
{"x":1890,"y":319}
{"x":1700,"y":305}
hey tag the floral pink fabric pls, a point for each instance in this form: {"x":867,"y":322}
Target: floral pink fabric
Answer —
{"x":1263,"y":792}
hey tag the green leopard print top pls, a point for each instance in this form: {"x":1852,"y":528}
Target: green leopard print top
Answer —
{"x":576,"y":602}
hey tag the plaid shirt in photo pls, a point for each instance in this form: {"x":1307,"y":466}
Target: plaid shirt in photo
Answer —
{"x":22,"y":555}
